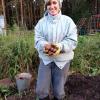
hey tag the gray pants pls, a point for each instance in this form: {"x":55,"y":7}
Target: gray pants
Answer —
{"x":51,"y":74}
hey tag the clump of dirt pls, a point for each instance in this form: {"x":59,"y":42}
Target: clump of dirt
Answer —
{"x":80,"y":87}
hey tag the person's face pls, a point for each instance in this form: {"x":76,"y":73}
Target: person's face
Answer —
{"x":53,"y":7}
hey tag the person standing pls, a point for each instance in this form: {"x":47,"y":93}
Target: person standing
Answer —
{"x":55,"y":40}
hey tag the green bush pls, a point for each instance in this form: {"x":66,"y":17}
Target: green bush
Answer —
{"x":17,"y":54}
{"x":87,"y":55}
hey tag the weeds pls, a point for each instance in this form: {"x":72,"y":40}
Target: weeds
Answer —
{"x":17,"y":54}
{"x":87,"y":55}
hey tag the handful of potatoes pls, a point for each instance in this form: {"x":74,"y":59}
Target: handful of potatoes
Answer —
{"x":52,"y":49}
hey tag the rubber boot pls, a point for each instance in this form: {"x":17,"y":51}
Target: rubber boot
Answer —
{"x":56,"y":98}
{"x":46,"y":98}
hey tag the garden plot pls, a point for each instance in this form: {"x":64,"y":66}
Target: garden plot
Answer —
{"x":77,"y":87}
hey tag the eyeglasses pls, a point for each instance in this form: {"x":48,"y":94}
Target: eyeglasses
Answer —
{"x":50,"y":3}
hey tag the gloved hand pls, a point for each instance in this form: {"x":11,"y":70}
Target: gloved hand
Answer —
{"x":47,"y":49}
{"x":57,"y":52}
{"x":52,"y":49}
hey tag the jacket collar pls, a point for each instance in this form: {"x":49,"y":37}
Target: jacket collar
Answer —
{"x":54,"y":19}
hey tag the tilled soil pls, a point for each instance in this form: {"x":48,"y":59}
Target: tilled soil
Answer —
{"x":77,"y":87}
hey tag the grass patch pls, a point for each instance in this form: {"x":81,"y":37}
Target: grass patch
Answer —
{"x":87,"y":55}
{"x":17,"y":54}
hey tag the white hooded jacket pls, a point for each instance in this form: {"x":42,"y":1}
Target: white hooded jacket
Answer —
{"x":58,"y":29}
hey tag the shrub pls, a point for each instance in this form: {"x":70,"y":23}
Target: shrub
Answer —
{"x":87,"y":55}
{"x":16,"y":54}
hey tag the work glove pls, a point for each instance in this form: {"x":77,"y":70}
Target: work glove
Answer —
{"x":52,"y":49}
{"x":57,"y":47}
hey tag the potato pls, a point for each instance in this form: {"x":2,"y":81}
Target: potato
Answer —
{"x":50,"y":53}
{"x":47,"y":47}
{"x":51,"y":49}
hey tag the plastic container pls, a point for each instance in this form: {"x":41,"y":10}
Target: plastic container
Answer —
{"x":23,"y":81}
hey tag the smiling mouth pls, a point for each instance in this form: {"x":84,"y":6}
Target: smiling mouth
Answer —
{"x":52,"y":10}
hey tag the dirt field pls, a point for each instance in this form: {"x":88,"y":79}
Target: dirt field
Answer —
{"x":78,"y":87}
{"x":81,"y":87}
